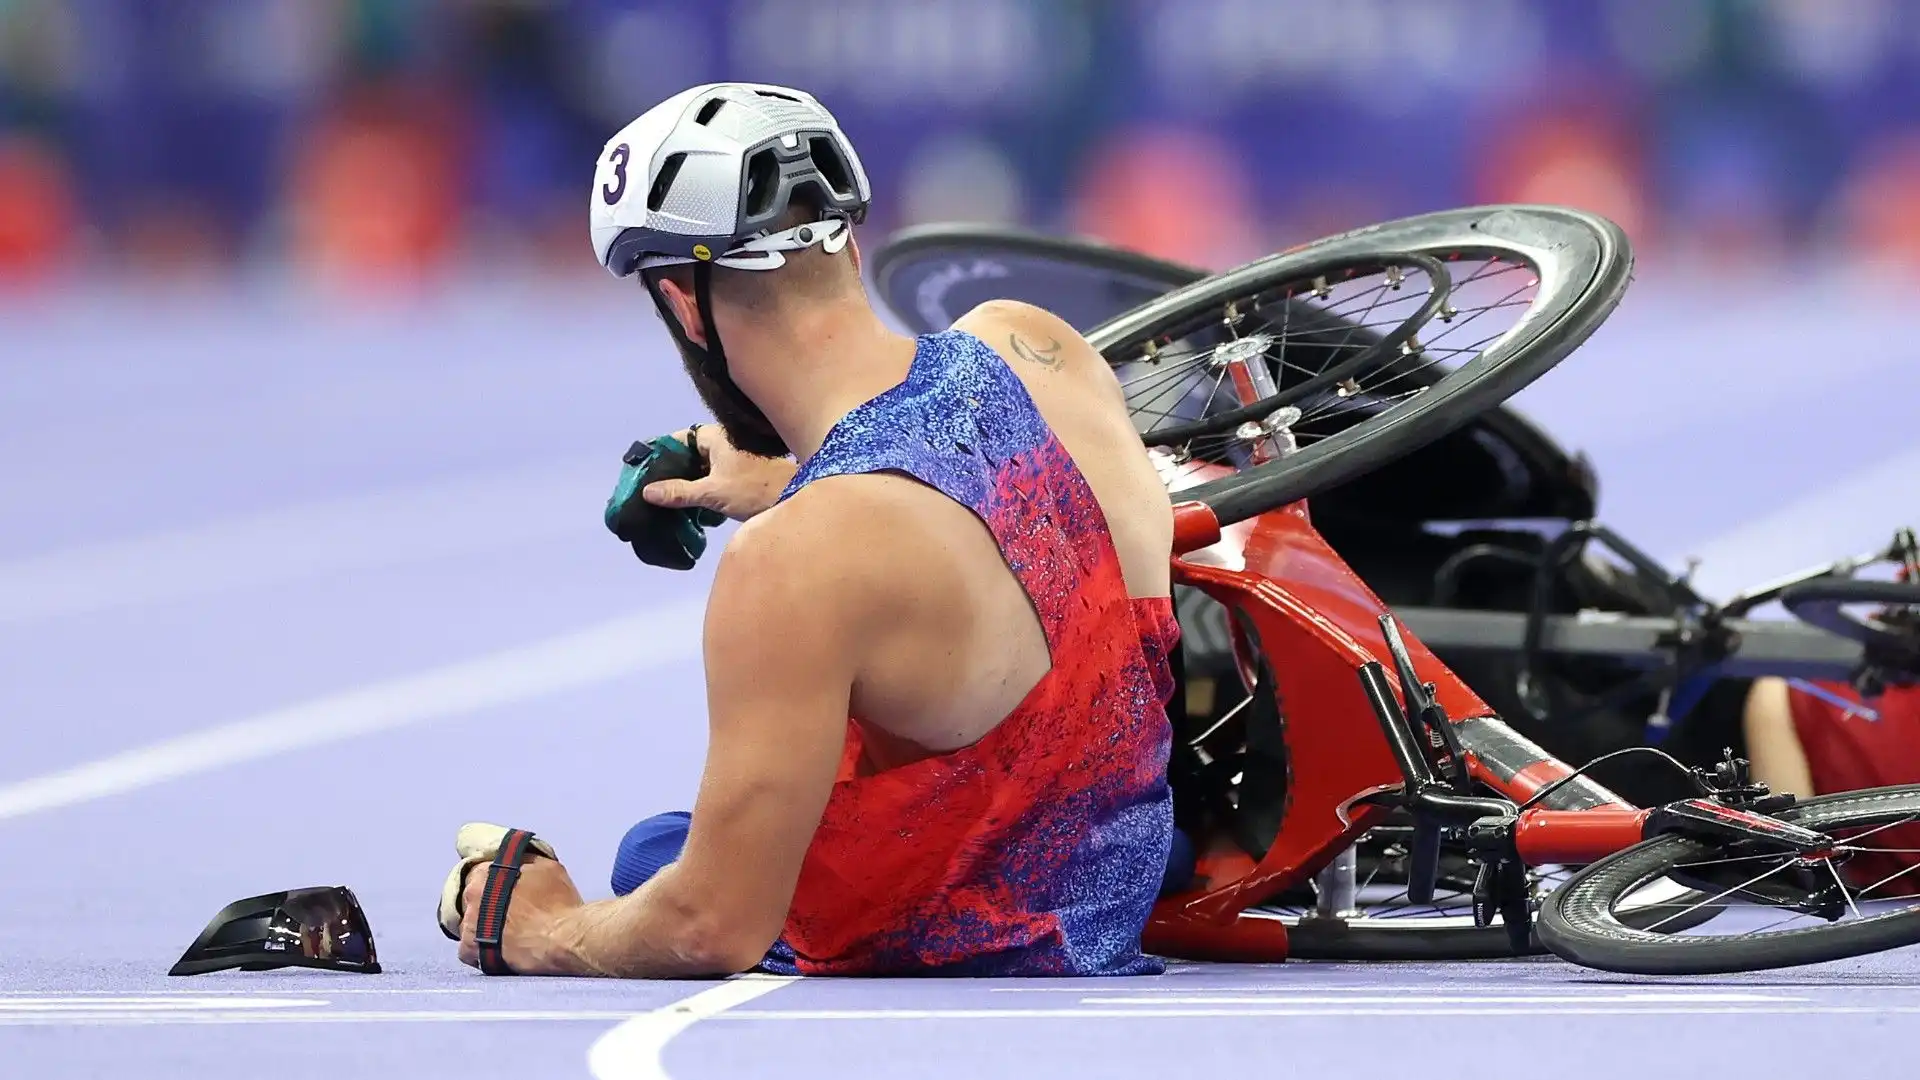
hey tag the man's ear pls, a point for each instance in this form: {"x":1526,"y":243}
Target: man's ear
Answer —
{"x":853,"y":247}
{"x":683,"y":306}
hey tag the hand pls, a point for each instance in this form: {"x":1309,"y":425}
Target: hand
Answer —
{"x":737,"y":484}
{"x":542,"y":898}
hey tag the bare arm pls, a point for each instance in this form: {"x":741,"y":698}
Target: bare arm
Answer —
{"x":1773,"y":746}
{"x":782,"y":632}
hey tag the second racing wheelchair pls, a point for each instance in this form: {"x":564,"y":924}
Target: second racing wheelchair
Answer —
{"x":1375,"y":646}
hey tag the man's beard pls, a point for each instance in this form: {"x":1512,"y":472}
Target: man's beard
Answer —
{"x":747,"y":429}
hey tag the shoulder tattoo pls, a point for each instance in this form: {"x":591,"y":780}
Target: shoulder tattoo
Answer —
{"x":1047,"y":355}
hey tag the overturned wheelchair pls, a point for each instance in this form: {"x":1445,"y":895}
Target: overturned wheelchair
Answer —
{"x":1369,"y":683}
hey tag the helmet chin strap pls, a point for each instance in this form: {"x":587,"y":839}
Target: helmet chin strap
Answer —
{"x":712,"y":360}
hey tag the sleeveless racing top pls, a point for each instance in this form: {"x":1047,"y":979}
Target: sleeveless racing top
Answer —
{"x":1039,"y":849}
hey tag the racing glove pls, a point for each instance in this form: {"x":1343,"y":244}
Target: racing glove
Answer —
{"x":673,"y":538}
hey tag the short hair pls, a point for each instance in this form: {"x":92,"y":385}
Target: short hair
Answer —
{"x":810,"y":274}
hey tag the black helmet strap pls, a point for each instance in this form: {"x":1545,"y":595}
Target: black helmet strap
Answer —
{"x":712,"y":359}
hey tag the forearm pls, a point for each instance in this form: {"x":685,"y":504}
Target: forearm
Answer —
{"x":651,"y":933}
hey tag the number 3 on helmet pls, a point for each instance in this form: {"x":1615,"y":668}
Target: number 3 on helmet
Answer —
{"x":707,"y":175}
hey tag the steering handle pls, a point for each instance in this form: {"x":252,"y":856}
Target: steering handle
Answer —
{"x":1822,"y":603}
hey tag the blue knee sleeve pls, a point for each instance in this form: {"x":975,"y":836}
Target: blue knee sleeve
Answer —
{"x":647,"y":848}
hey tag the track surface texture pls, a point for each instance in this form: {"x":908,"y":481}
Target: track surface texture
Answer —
{"x":287,"y":593}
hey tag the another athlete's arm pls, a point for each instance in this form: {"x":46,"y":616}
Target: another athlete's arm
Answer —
{"x":1773,"y":745}
{"x":787,"y":619}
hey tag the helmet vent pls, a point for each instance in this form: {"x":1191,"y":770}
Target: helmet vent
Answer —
{"x":831,"y":166}
{"x":709,"y":111}
{"x":763,"y":174}
{"x":782,"y":97}
{"x":669,"y":169}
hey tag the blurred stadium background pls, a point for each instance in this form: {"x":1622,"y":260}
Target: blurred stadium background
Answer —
{"x":371,"y":140}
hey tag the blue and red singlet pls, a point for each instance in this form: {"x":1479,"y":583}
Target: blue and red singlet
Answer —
{"x":1039,"y":849}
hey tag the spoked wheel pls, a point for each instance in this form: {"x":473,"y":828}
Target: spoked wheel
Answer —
{"x":1860,"y":896}
{"x":1371,"y":367}
{"x":1500,"y":465}
{"x":1383,"y":924}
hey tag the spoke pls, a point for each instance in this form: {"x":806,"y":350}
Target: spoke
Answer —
{"x":1835,"y":871}
{"x":1713,"y":899}
{"x":1184,"y":391}
{"x":1503,"y":303}
{"x":1214,"y":394}
{"x":1160,"y":372}
{"x":1779,"y":922}
{"x":1726,"y":861}
{"x":1374,"y":873}
{"x":1380,"y":293}
{"x":1160,"y":376}
{"x":1890,"y":877}
{"x":1850,"y":841}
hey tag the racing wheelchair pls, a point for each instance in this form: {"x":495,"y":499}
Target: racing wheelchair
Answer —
{"x":1375,"y":761}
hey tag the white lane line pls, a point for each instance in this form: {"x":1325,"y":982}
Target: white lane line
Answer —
{"x":1434,"y":999}
{"x":327,"y":990}
{"x":146,"y":1004}
{"x":597,"y":654}
{"x":485,"y":512}
{"x":1853,"y":515}
{"x":1104,"y":1013}
{"x":637,"y":1066}
{"x":1344,"y":992}
{"x":107,"y":1018}
{"x":632,"y":1050}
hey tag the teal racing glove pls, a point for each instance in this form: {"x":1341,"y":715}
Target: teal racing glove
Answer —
{"x":671,"y":538}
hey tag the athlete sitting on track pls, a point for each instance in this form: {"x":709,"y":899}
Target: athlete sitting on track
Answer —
{"x":970,"y":558}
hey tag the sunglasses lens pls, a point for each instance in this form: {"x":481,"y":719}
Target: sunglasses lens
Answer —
{"x":321,"y":928}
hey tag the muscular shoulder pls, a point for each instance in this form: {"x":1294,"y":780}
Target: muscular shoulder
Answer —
{"x":1025,"y":332}
{"x":1016,"y":314}
{"x":833,"y":551}
{"x":1036,"y":338}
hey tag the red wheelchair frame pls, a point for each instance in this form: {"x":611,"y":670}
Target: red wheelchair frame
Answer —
{"x":1318,"y":625}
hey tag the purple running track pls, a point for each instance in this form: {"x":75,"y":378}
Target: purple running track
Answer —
{"x":327,"y":553}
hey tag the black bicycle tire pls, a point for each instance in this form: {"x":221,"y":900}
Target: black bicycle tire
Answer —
{"x":1576,"y":922}
{"x":1818,"y":603}
{"x":1439,"y":938}
{"x":1595,"y":283}
{"x":958,"y":241}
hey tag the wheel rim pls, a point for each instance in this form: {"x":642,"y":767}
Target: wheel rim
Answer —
{"x":929,"y":275}
{"x":1572,"y":267}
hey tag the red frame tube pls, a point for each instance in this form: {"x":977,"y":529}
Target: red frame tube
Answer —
{"x":1548,"y":837}
{"x":1318,"y":623}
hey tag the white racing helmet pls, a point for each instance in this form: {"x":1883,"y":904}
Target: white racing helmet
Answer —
{"x":704,"y":177}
